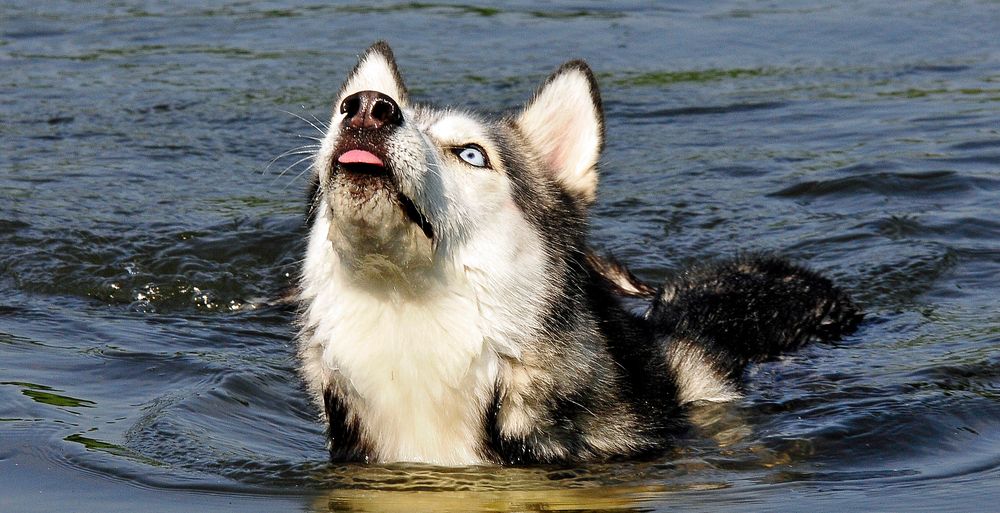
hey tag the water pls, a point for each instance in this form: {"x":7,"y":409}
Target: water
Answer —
{"x":147,"y":364}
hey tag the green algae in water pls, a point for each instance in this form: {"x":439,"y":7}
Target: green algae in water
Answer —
{"x":43,"y":394}
{"x":92,"y":444}
{"x":656,"y":78}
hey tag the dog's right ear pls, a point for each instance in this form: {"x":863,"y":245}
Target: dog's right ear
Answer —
{"x":564,"y":123}
{"x":376,"y":71}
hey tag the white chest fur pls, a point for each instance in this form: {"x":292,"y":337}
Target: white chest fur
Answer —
{"x":417,"y":375}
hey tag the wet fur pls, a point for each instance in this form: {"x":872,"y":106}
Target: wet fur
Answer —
{"x":487,"y":331}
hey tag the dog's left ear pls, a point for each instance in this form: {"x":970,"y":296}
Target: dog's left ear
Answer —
{"x":564,"y":122}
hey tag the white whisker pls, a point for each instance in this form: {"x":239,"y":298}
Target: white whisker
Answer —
{"x":304,"y":171}
{"x":301,"y":150}
{"x":318,"y":129}
{"x":297,"y":162}
{"x":320,"y":123}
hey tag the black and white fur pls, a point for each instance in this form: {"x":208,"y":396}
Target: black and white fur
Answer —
{"x":452,"y":312}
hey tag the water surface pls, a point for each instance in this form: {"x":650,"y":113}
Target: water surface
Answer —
{"x":148,"y":227}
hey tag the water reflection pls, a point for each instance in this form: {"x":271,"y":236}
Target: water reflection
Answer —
{"x":598,"y":499}
{"x":723,"y":423}
{"x":487,"y":490}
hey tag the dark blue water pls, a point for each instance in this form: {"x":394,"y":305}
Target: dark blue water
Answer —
{"x":146,"y":238}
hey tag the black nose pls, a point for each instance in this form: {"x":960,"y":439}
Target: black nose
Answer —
{"x":370,"y":110}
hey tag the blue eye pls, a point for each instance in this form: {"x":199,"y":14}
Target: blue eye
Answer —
{"x":472,"y":155}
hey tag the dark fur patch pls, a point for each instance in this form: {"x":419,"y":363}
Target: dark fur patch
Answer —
{"x":343,"y":433}
{"x":622,"y":398}
{"x":752,"y":309}
{"x":639,"y":352}
{"x":500,"y":448}
{"x":313,"y":196}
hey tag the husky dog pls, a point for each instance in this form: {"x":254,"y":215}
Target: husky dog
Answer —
{"x":452,"y":312}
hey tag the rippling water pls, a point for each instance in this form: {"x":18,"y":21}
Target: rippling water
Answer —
{"x":147,"y":233}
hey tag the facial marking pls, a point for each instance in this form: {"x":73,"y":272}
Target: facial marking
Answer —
{"x":374,"y":74}
{"x":457,"y":131}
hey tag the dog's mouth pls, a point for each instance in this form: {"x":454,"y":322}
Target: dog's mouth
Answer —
{"x":368,"y":173}
{"x":362,"y":162}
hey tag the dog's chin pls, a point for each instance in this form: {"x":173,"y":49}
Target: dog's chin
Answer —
{"x":376,"y":230}
{"x":365,"y":183}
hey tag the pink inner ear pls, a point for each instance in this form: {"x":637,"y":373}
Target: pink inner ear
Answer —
{"x":559,"y":153}
{"x":360,"y":157}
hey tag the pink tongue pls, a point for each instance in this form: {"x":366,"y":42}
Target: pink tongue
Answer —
{"x":360,"y":157}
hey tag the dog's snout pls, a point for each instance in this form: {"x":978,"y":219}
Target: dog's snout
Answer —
{"x":370,"y":110}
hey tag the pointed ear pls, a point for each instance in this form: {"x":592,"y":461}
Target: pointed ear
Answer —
{"x":376,"y":71}
{"x":564,"y":122}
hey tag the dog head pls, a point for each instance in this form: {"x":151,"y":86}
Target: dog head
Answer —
{"x":408,"y":193}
